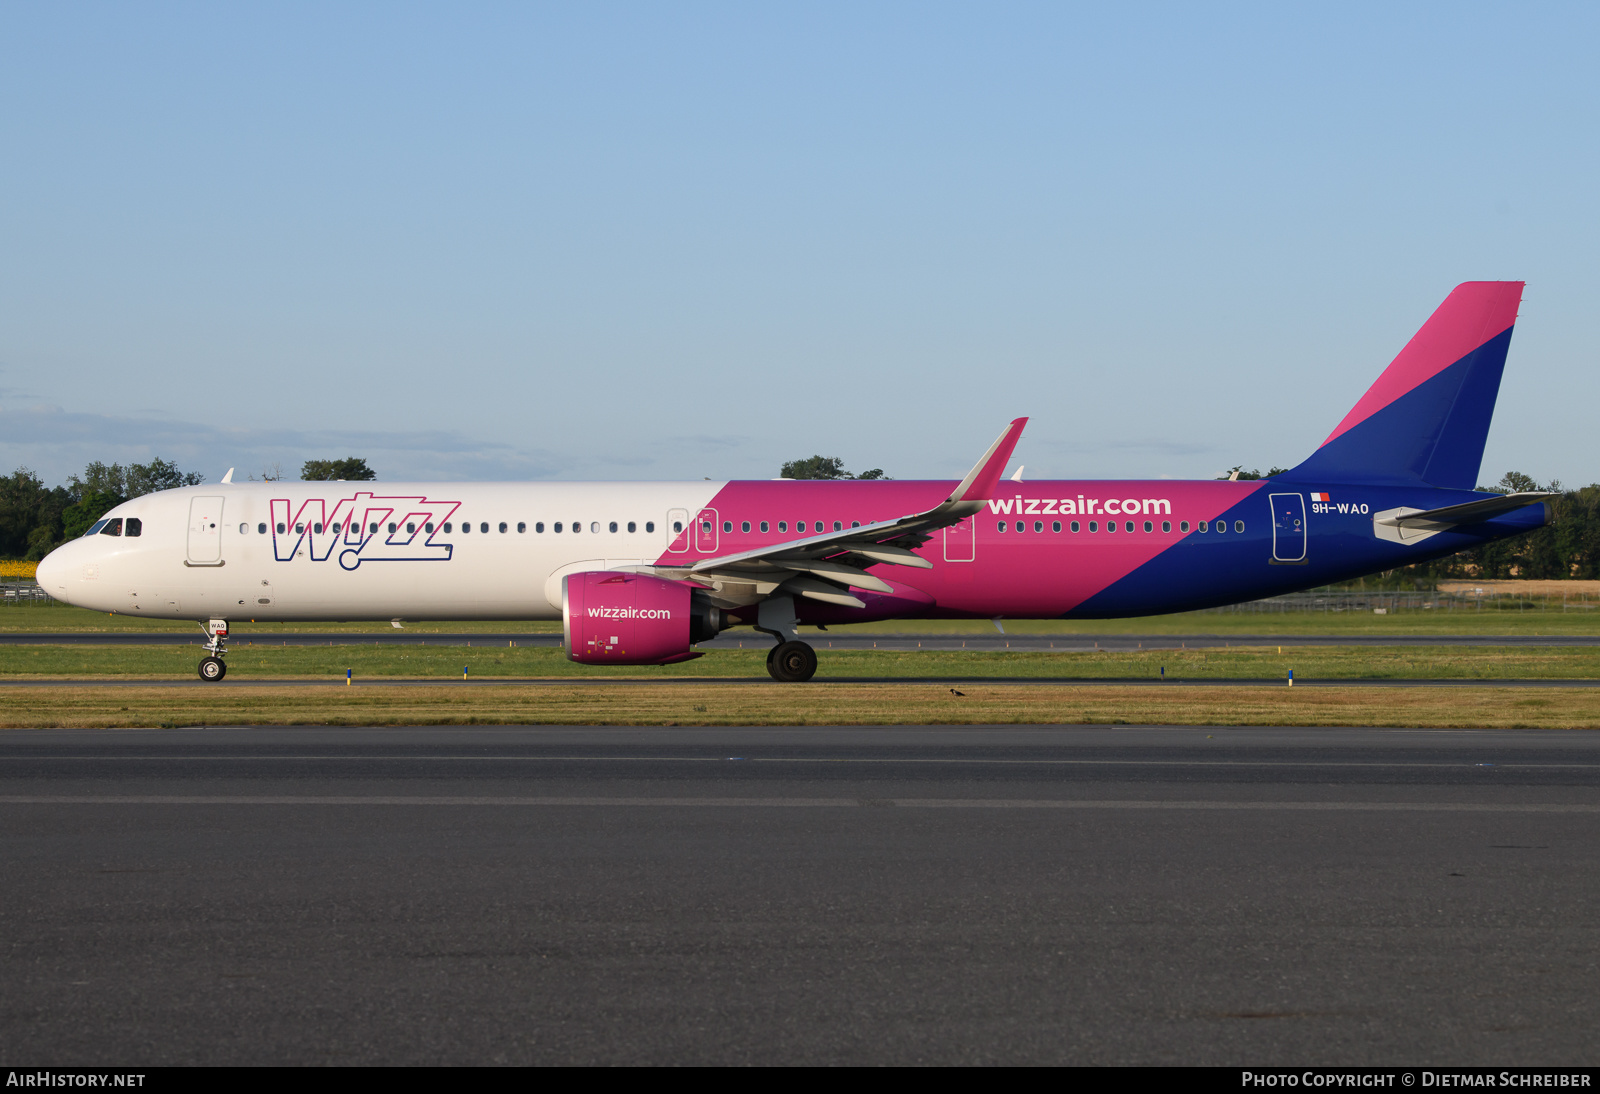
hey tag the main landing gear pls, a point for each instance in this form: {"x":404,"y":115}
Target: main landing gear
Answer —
{"x":213,"y":668}
{"x":792,"y":662}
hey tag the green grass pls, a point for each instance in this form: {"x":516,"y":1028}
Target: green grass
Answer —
{"x":1504,"y":619}
{"x":266,"y":662}
{"x":769,"y":703}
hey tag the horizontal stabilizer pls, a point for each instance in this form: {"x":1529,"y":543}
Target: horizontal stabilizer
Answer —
{"x":1405,"y":525}
{"x":1474,"y":511}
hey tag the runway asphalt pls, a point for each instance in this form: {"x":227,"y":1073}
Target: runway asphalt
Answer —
{"x":808,"y":895}
{"x":749,"y":640}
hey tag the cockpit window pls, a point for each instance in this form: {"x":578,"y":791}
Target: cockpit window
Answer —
{"x":134,"y":526}
{"x":94,"y":529}
{"x":112,"y":528}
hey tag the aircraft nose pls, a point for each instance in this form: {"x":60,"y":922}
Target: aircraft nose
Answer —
{"x":52,"y":574}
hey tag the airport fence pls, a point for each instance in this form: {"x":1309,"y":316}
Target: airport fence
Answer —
{"x":23,"y":593}
{"x":1385,"y":601}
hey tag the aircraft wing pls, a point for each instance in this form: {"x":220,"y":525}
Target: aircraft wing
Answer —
{"x":823,"y":567}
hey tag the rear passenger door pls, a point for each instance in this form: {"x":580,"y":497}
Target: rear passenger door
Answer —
{"x":1288,"y":528}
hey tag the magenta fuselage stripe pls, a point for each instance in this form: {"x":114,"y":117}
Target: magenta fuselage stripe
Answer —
{"x":1040,"y":573}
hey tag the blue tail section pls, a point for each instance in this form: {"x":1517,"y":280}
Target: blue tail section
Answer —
{"x":1426,"y":419}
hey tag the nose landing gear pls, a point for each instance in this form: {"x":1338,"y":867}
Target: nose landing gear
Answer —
{"x":213,"y":668}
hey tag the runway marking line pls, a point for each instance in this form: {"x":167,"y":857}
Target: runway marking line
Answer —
{"x":800,"y":803}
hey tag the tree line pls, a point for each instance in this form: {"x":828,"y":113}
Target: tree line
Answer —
{"x":35,"y":518}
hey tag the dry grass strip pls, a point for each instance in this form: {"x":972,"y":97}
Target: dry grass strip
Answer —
{"x":801,"y":704}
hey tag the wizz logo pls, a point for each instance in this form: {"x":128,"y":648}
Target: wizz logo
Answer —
{"x":366,"y":527}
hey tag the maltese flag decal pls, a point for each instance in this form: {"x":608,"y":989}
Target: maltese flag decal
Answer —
{"x":1319,"y":497}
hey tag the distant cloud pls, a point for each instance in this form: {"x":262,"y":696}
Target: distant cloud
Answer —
{"x":1134,"y":444}
{"x":56,"y":442}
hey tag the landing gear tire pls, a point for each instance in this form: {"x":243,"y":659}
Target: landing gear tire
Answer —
{"x":213,"y":669}
{"x":792,"y":662}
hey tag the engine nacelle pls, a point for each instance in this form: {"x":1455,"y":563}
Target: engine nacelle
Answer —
{"x":611,"y":618}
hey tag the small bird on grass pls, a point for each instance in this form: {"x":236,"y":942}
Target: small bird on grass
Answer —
{"x":953,"y":691}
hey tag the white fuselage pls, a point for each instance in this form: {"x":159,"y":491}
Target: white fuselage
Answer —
{"x":270,"y":552}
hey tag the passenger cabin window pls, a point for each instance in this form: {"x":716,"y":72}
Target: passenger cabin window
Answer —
{"x":1001,"y":526}
{"x":522,"y":526}
{"x":1038,"y":526}
{"x":1074,"y":526}
{"x":744,"y":526}
{"x":411,"y":527}
{"x":1022,"y":526}
{"x":783,"y":526}
{"x":1148,"y":527}
{"x":1201,"y":526}
{"x":556,"y":526}
{"x":428,"y":527}
{"x":503,"y":527}
{"x":1238,"y":526}
{"x":447,"y":527}
{"x":650,"y":526}
{"x":1055,"y":526}
{"x":677,"y":526}
{"x":261,"y":529}
{"x":1094,"y":526}
{"x":373,"y":527}
{"x":765,"y":527}
{"x":300,"y":529}
{"x":538,"y":526}
{"x":727,"y":526}
{"x":577,"y":526}
{"x":1183,"y":526}
{"x":243,"y":528}
{"x":613,"y":526}
{"x":135,"y":526}
{"x":484,"y":528}
{"x":317,"y":528}
{"x":837,"y":526}
{"x":1111,"y":526}
{"x":632,"y":527}
{"x":1222,"y":526}
{"x":1166,"y":526}
{"x":393,"y":528}
{"x":1128,"y":527}
{"x":281,"y":529}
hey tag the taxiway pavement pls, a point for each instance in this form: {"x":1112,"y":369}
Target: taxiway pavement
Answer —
{"x":803,"y":895}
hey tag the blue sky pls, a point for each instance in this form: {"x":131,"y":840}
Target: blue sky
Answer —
{"x":674,"y":241}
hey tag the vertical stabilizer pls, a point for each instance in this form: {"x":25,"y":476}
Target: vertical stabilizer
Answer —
{"x":1426,"y":419}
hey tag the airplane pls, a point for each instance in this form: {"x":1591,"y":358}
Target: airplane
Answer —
{"x":640,"y":573}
